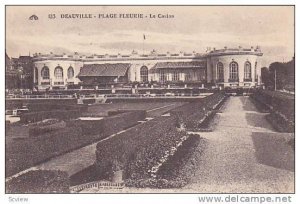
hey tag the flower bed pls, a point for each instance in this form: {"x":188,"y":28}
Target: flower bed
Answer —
{"x":39,"y":181}
{"x":22,"y":154}
{"x":109,"y":125}
{"x":44,"y":126}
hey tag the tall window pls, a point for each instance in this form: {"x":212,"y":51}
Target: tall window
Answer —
{"x":45,"y":72}
{"x":247,"y":70}
{"x":233,"y":71}
{"x":162,"y":76}
{"x":220,"y":71}
{"x":175,"y":76}
{"x":187,"y":76}
{"x":70,"y":72}
{"x":36,"y":74}
{"x":58,"y":73}
{"x":144,"y":74}
{"x":255,"y":74}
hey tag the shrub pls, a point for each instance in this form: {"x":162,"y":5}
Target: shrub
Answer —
{"x":39,"y":181}
{"x":59,"y":114}
{"x":281,"y":106}
{"x":140,"y":148}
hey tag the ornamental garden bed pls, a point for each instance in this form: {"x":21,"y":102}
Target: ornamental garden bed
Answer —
{"x":39,"y":181}
{"x":45,"y":126}
{"x":25,"y":153}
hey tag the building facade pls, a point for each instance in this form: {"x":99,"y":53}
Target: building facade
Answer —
{"x":221,"y":68}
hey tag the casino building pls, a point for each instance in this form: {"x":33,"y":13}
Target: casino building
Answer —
{"x":238,"y":67}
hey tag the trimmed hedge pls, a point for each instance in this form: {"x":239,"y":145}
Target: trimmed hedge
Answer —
{"x":41,"y":115}
{"x":281,"y":107}
{"x":178,"y":170}
{"x":192,"y":115}
{"x":36,"y":107}
{"x":139,"y":149}
{"x":39,"y":181}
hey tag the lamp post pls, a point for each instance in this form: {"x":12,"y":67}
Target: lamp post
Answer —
{"x":275,"y":80}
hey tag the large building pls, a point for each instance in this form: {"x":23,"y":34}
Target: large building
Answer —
{"x":220,"y":68}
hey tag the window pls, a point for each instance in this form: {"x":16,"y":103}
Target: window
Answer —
{"x":233,"y":71}
{"x":220,"y":71}
{"x":175,"y":76}
{"x":58,"y":73}
{"x":45,"y":72}
{"x":255,"y":74}
{"x":247,"y":70}
{"x":187,"y":76}
{"x":36,"y":74}
{"x":144,"y":74}
{"x":162,"y":76}
{"x":70,"y":72}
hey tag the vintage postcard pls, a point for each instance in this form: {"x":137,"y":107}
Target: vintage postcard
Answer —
{"x":150,"y":99}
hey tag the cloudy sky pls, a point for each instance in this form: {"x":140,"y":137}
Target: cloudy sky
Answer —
{"x":191,"y":29}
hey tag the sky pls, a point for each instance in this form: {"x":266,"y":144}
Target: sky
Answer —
{"x":192,"y":28}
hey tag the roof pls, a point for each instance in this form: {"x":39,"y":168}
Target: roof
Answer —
{"x":193,"y":64}
{"x":118,"y":69}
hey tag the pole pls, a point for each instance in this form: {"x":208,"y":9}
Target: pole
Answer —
{"x":275,"y":80}
{"x":143,"y":43}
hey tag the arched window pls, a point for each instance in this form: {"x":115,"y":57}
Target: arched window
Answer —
{"x":187,"y":76}
{"x":70,"y":72}
{"x":247,"y":70}
{"x":45,"y":72}
{"x":220,"y":71}
{"x":175,"y":76}
{"x":58,"y":73}
{"x":255,"y":71}
{"x":233,"y":71}
{"x":144,"y":74}
{"x":162,"y":76}
{"x":36,"y":74}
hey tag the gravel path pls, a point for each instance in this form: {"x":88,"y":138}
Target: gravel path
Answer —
{"x":233,"y":162}
{"x":230,"y":162}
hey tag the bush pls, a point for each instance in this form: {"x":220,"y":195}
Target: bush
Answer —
{"x":41,"y":115}
{"x":176,"y":172}
{"x":39,"y":181}
{"x":138,"y":149}
{"x":192,"y":115}
{"x":281,"y":107}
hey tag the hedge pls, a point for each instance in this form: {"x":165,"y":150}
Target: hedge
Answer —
{"x":192,"y":115}
{"x":137,"y":150}
{"x":39,"y":181}
{"x":281,"y":107}
{"x":178,"y":170}
{"x":36,"y":107}
{"x":41,"y":115}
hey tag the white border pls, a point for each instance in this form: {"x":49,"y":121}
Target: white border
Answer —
{"x":127,"y":198}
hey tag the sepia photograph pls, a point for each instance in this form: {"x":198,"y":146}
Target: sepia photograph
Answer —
{"x":150,"y":99}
